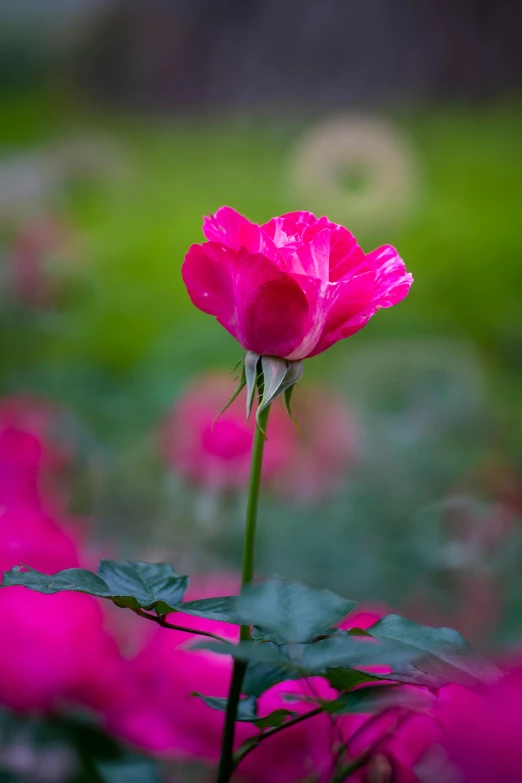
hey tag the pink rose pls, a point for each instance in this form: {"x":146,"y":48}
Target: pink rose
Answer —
{"x":293,"y":286}
{"x":215,"y":453}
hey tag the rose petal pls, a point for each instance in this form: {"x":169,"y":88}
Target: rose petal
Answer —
{"x":392,"y":282}
{"x":345,"y":254}
{"x":348,"y":299}
{"x":310,"y":258}
{"x":208,"y":273}
{"x":224,"y":227}
{"x":227,"y":227}
{"x":274,"y":308}
{"x":349,"y":312}
{"x":305,"y":218}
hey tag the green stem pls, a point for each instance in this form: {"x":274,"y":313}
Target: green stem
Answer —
{"x":270,"y":732}
{"x":226,"y":762}
{"x":159,"y":620}
{"x":252,"y":503}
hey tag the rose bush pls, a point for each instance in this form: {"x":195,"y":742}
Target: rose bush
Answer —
{"x":159,"y":713}
{"x":291,"y":287}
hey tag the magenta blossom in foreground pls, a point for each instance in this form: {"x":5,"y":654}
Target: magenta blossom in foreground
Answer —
{"x":58,"y":652}
{"x":482,"y":738}
{"x":291,"y":287}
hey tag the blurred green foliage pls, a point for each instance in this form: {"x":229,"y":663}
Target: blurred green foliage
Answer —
{"x":462,"y":241}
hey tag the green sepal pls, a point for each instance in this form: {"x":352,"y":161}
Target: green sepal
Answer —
{"x":287,"y":398}
{"x":241,"y":385}
{"x":251,"y":379}
{"x":279,"y":376}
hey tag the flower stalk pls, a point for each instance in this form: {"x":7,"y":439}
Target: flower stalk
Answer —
{"x":226,"y":761}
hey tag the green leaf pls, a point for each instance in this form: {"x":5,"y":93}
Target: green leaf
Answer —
{"x":274,"y":719}
{"x":265,"y":652}
{"x":441,"y":652}
{"x":222,"y":609}
{"x":259,"y":677}
{"x":375,"y":698}
{"x":411,"y":675}
{"x":247,"y":707}
{"x":346,"y":651}
{"x":250,"y":369}
{"x":292,"y":661}
{"x":292,"y":611}
{"x":346,"y":679}
{"x":133,"y":584}
{"x":128,"y":771}
{"x":153,"y":585}
{"x":77,"y":579}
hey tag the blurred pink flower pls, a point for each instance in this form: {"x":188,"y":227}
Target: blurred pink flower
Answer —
{"x":56,"y":651}
{"x":302,"y":463}
{"x":215,"y":453}
{"x":37,"y":250}
{"x":291,"y":287}
{"x":55,"y":648}
{"x":28,"y":536}
{"x":20,"y":461}
{"x":35,"y":443}
{"x":482,"y":731}
{"x":327,"y":445}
